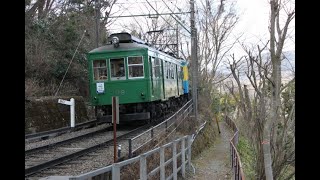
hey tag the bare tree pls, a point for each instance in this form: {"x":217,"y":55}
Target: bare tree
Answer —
{"x":216,"y":24}
{"x":255,"y":110}
{"x":278,"y":36}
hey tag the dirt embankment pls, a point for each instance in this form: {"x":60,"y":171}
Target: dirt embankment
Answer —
{"x":45,"y":113}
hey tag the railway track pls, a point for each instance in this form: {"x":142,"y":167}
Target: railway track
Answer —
{"x":44,"y":157}
{"x":56,"y":132}
{"x":81,"y":154}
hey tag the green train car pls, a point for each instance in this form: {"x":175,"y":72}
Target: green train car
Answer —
{"x":147,"y":81}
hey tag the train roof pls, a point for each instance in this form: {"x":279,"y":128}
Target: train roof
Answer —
{"x":127,"y":42}
{"x":123,"y":46}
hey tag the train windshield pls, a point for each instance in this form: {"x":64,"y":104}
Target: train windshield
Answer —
{"x":117,"y":69}
{"x":135,"y":67}
{"x":100,"y":70}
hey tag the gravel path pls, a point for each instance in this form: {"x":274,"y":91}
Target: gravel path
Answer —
{"x":214,"y":162}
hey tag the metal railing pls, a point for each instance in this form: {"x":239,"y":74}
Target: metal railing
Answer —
{"x":235,"y":158}
{"x":157,"y":131}
{"x":166,"y":126}
{"x":184,"y":155}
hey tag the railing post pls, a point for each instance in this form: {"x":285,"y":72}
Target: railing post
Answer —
{"x":183,"y":158}
{"x":235,"y":166}
{"x":152,"y":133}
{"x":166,"y":126}
{"x":174,"y":160}
{"x":238,"y":171}
{"x":143,"y":167}
{"x":189,"y":152}
{"x":231,"y":154}
{"x":162,"y":169}
{"x":237,"y":137}
{"x":115,"y":172}
{"x":119,"y":151}
{"x":234,"y":158}
{"x":130,"y":148}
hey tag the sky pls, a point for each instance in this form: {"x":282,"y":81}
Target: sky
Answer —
{"x":254,"y":15}
{"x":254,"y":22}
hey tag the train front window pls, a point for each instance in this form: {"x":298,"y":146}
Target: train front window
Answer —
{"x":135,"y":66}
{"x":100,"y":70}
{"x":117,"y":69}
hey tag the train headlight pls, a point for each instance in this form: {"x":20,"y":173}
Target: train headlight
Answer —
{"x":115,"y":41}
{"x":142,"y":95}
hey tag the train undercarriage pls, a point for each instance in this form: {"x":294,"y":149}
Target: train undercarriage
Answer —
{"x":144,"y":112}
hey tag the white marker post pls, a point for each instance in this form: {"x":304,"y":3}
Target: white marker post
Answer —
{"x":71,"y":103}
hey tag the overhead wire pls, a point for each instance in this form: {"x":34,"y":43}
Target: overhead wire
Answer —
{"x":183,"y":34}
{"x":157,"y":11}
{"x":70,"y":63}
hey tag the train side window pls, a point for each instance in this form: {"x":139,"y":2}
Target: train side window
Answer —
{"x":135,"y":67}
{"x":117,"y":69}
{"x":100,"y":70}
{"x":167,"y":69}
{"x":173,"y":71}
{"x":156,"y":66}
{"x":151,"y":65}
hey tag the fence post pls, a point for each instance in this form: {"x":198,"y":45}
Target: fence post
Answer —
{"x":143,"y":167}
{"x":115,"y":172}
{"x":174,"y":160}
{"x":183,"y":158}
{"x":162,"y":169}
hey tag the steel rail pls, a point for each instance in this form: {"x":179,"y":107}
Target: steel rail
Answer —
{"x":60,"y":130}
{"x":63,"y":159}
{"x":52,"y":145}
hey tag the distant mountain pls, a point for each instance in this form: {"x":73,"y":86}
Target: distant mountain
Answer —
{"x":289,"y":60}
{"x":288,"y":63}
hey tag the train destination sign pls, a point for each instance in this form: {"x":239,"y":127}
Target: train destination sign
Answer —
{"x":100,"y":87}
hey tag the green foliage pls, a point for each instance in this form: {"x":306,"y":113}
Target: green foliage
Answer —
{"x":287,"y":173}
{"x":246,"y":152}
{"x":227,"y":101}
{"x":59,"y":69}
{"x":215,"y":104}
{"x":204,"y":139}
{"x":51,"y":42}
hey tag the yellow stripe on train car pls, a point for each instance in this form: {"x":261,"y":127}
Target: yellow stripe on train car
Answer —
{"x":185,"y":73}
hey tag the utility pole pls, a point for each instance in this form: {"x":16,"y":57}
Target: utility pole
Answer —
{"x":177,"y":38}
{"x":97,"y":4}
{"x":194,"y":61}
